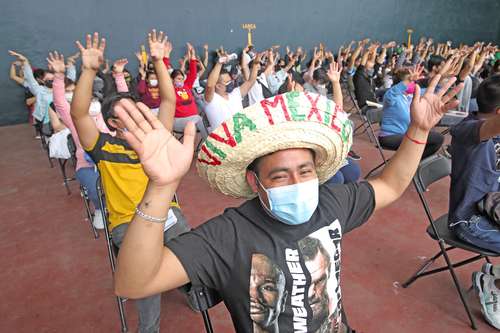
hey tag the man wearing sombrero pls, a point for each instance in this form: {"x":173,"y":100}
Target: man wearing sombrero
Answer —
{"x":276,"y":154}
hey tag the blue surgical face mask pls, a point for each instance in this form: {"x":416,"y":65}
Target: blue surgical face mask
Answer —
{"x":292,"y":204}
{"x":370,"y":72}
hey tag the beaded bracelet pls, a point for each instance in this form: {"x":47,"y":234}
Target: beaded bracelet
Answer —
{"x":149,"y":217}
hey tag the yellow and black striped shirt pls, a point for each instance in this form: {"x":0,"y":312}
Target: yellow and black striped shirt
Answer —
{"x":122,"y":177}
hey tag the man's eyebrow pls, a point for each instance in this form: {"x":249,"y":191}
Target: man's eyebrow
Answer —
{"x":276,"y":170}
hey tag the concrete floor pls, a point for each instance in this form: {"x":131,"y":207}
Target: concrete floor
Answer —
{"x":55,"y":276}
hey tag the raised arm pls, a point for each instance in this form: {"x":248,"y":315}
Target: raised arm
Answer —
{"x":247,"y":85}
{"x":157,"y":43}
{"x":29,"y":79}
{"x":205,"y":55}
{"x":245,"y":70}
{"x":56,"y":63}
{"x":334,"y":75}
{"x":19,"y":79}
{"x":145,"y":267}
{"x":355,"y":56}
{"x":92,"y":58}
{"x":212,"y":81}
{"x":191,"y":76}
{"x":118,"y":68}
{"x":426,"y":111}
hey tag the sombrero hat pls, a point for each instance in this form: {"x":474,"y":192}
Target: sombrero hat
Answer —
{"x":291,"y":120}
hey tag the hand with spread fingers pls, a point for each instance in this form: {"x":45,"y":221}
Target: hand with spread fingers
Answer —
{"x":157,"y":45}
{"x":334,"y":72}
{"x":427,"y":110}
{"x":165,"y":160}
{"x":56,"y":62}
{"x":93,"y":52}
{"x":119,"y":65}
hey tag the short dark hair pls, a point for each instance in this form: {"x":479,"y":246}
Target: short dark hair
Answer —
{"x":109,"y":102}
{"x":310,"y":247}
{"x":175,"y":73}
{"x":488,"y":94}
{"x":400,"y":75}
{"x":320,"y":75}
{"x":434,"y":61}
{"x":39,"y":73}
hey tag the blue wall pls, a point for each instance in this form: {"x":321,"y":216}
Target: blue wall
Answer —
{"x":34,"y":27}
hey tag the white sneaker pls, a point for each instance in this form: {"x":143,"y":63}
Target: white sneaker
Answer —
{"x":97,"y":221}
{"x":487,"y":268}
{"x":489,"y":297}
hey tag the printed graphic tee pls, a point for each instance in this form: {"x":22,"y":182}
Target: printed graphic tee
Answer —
{"x":275,"y":277}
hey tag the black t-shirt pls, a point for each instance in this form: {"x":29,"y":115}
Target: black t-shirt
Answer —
{"x":363,"y":88}
{"x":275,"y":277}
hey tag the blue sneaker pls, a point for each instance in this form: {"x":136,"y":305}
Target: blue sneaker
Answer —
{"x":489,"y":297}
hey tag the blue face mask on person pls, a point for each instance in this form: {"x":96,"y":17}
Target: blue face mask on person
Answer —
{"x":292,"y":204}
{"x":370,"y":72}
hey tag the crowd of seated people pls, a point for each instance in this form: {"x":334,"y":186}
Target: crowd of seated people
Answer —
{"x":88,"y":102}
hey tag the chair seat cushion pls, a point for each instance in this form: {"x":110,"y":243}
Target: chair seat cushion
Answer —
{"x":451,"y":239}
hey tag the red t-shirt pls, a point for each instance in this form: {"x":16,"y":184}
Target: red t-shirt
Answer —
{"x":185,"y":105}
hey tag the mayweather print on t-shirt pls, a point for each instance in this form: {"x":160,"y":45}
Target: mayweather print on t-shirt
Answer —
{"x":309,"y":286}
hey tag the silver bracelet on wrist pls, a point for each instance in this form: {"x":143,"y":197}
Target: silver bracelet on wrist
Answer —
{"x":149,"y":217}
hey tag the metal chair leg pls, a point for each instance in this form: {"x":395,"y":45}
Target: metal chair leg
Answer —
{"x":111,"y":256}
{"x":62,"y":165}
{"x":121,"y":312}
{"x":90,"y":216}
{"x":457,"y":285}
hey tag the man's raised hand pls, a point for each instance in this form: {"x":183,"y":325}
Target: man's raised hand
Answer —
{"x":427,"y":110}
{"x":157,"y":44}
{"x":56,"y":62}
{"x":93,"y":52}
{"x":165,"y":160}
{"x":334,"y":72}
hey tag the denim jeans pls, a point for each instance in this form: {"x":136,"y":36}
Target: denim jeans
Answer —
{"x":349,"y":173}
{"x":149,"y":308}
{"x":180,"y":124}
{"x":479,"y":231}
{"x":87,"y":177}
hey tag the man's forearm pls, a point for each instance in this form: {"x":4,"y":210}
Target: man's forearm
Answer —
{"x":141,"y":252}
{"x":398,"y":173}
{"x":214,"y":75}
{"x":83,"y":94}
{"x":337,"y":95}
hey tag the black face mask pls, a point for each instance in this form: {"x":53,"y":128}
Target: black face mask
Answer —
{"x":230,"y":87}
{"x":48,"y":84}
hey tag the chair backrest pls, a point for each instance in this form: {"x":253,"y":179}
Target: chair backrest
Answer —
{"x":353,"y":99}
{"x":430,"y":170}
{"x":374,"y":116}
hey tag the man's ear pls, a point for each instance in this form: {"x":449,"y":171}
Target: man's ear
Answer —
{"x":497,"y":111}
{"x":113,"y":123}
{"x":252,"y":181}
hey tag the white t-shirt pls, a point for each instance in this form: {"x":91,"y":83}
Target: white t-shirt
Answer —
{"x":255,"y":94}
{"x":220,"y":109}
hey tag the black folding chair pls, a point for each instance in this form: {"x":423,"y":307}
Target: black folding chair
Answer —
{"x":201,"y":297}
{"x":44,"y":132}
{"x":112,"y":252}
{"x":90,"y":213}
{"x":374,"y":117}
{"x":63,"y":162}
{"x":430,"y":170}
